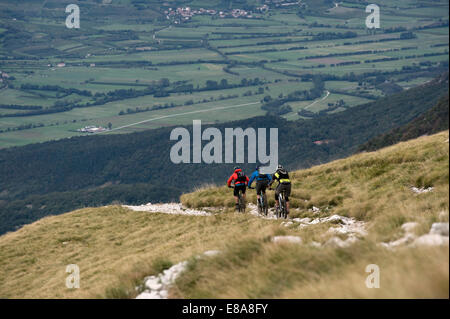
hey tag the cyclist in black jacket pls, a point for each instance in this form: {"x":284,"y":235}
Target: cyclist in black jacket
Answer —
{"x":284,"y":183}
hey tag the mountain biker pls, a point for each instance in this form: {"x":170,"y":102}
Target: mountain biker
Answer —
{"x":284,"y":183}
{"x":240,"y":183}
{"x":262,"y":181}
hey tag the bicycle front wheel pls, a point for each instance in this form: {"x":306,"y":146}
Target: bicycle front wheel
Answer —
{"x":241,"y":202}
{"x":265,"y":208}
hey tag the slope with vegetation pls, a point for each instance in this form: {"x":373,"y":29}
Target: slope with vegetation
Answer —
{"x":116,"y":248}
{"x":372,"y":187}
{"x":433,"y":121}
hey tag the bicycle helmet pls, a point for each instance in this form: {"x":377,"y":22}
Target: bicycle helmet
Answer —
{"x":236,"y":167}
{"x":280,"y":167}
{"x":257,"y":168}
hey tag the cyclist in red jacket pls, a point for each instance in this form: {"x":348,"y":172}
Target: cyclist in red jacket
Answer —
{"x":240,"y":183}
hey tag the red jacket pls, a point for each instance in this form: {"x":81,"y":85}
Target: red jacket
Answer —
{"x":235,"y":176}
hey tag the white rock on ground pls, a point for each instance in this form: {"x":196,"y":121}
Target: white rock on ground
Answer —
{"x":409,"y":227}
{"x":405,"y":240}
{"x":253,"y":210}
{"x":437,"y":236}
{"x":210,"y":253}
{"x":287,"y":239}
{"x":149,"y":295}
{"x":343,"y":225}
{"x":439,"y":229}
{"x":430,"y":240}
{"x":157,"y":287}
{"x":339,"y":243}
{"x":171,"y":208}
{"x":302,"y":220}
{"x":315,"y":209}
{"x":315,"y":244}
{"x":153,"y":283}
{"x":421,"y":190}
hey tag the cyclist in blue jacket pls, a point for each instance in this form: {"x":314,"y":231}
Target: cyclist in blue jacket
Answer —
{"x":262,"y":181}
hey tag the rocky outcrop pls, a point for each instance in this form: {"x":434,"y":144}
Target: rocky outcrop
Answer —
{"x":157,"y":287}
{"x":287,"y":239}
{"x":438,"y":236}
{"x":171,"y":208}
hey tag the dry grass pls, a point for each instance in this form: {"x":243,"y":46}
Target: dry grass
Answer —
{"x":114,"y":247}
{"x":407,"y":273}
{"x":258,"y":269}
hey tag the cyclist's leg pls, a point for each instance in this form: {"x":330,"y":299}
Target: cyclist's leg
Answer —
{"x":242,"y":189}
{"x":263,"y":200}
{"x":263,"y":188}
{"x":236,"y":197}
{"x":287,"y":194}
{"x":258,"y":190}
{"x":277,"y":192}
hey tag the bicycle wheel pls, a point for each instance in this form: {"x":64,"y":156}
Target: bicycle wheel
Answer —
{"x":241,"y":202}
{"x":265,"y":208}
{"x":279,"y":207}
{"x":283,"y":206}
{"x":260,"y":204}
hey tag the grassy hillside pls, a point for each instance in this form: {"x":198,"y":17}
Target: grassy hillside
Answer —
{"x":116,"y":248}
{"x":374,"y":187}
{"x":433,"y":121}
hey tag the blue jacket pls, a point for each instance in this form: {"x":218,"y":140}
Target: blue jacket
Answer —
{"x":255,"y":176}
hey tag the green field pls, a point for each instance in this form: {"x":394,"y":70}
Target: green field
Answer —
{"x":126,"y":47}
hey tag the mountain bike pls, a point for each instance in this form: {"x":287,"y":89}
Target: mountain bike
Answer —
{"x":263,"y":207}
{"x":241,"y":200}
{"x":282,"y":209}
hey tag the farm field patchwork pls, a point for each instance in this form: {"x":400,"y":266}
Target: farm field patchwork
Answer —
{"x":128,"y":62}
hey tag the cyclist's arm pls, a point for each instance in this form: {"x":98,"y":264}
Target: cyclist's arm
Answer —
{"x":247,"y":180}
{"x":252,"y":178}
{"x":230,"y":180}
{"x":273,"y":178}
